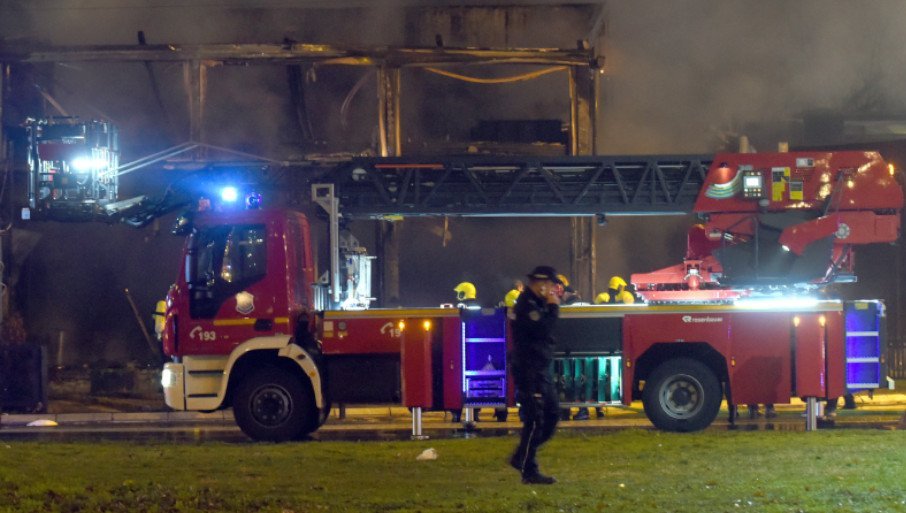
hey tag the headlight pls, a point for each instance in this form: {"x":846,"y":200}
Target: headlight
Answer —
{"x":167,"y":378}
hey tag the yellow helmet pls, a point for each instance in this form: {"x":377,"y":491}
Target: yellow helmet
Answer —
{"x":465,"y":290}
{"x":616,"y":283}
{"x":510,"y":298}
{"x":602,"y":298}
{"x":563,"y":280}
{"x":626,"y":298}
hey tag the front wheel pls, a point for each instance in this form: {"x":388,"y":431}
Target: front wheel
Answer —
{"x":682,"y":395}
{"x":272,"y":404}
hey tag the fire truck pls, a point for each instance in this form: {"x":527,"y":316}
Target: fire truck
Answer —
{"x":249,"y":325}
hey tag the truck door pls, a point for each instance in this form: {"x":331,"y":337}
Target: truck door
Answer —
{"x":229,"y":300}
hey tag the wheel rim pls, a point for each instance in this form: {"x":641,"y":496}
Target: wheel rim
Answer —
{"x":681,"y":396}
{"x":271,"y":405}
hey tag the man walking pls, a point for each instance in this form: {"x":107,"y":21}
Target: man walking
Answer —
{"x":533,"y":318}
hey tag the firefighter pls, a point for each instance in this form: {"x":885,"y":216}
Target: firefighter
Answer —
{"x":466,"y":295}
{"x":570,"y":296}
{"x":509,"y":300}
{"x":533,"y":318}
{"x":617,"y":292}
{"x":160,"y":315}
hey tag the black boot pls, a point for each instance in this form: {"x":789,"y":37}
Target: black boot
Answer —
{"x":538,"y":478}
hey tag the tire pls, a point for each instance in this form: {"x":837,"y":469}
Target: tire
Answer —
{"x":272,"y":404}
{"x":682,"y":395}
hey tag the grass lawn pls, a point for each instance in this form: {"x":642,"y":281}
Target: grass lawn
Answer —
{"x":627,"y":471}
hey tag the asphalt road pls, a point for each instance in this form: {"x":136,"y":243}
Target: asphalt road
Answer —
{"x":378,"y":424}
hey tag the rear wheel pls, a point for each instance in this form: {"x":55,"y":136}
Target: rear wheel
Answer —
{"x":682,"y":395}
{"x":274,"y":405}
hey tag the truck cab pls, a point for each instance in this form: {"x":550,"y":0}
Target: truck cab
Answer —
{"x":241,"y":310}
{"x":244,"y":275}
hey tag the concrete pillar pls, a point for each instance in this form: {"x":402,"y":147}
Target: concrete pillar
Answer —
{"x":583,"y":101}
{"x":389,"y":124}
{"x":390,"y":129}
{"x":388,"y":254}
{"x":195,"y":81}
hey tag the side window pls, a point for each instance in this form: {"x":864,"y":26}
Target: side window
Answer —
{"x":245,"y":255}
{"x":205,"y":251}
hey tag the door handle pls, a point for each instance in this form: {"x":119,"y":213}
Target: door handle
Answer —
{"x":264,"y":324}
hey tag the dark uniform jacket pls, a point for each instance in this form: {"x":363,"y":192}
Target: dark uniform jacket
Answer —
{"x":533,"y":345}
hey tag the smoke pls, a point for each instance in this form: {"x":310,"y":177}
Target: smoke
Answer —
{"x":678,"y":73}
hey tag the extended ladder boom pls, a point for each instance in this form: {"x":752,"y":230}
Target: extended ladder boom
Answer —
{"x":520,"y":186}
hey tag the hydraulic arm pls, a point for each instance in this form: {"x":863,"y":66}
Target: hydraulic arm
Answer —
{"x":777,"y":220}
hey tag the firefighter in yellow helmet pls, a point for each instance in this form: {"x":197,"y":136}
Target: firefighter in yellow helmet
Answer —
{"x":509,"y":300}
{"x":568,"y":295}
{"x":465,"y":290}
{"x":466,"y":295}
{"x":617,"y":292}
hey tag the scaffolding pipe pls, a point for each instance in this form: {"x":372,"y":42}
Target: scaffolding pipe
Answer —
{"x":323,"y":196}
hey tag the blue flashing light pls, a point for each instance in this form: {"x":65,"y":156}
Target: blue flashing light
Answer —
{"x":253,"y":201}
{"x":229,"y":194}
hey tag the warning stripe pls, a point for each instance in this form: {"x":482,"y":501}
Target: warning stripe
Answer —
{"x":246,"y":321}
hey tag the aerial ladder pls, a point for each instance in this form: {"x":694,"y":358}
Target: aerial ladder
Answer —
{"x":769,"y":222}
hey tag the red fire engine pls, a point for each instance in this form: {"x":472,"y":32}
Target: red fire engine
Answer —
{"x":246,"y":329}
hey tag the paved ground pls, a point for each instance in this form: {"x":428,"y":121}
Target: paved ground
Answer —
{"x":883,"y":410}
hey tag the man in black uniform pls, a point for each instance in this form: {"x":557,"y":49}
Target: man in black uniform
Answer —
{"x":534,"y":316}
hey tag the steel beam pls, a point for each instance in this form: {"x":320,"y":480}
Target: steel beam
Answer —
{"x":301,"y":52}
